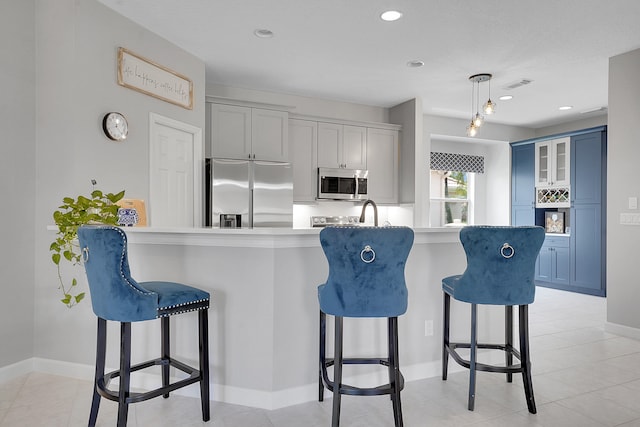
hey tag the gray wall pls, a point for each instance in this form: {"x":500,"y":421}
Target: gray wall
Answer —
{"x":17,"y":179}
{"x":623,"y":298}
{"x":76,"y":85}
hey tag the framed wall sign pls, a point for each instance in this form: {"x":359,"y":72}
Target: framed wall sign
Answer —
{"x":143,"y":75}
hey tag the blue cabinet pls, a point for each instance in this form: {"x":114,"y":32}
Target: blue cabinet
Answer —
{"x":522,"y":184}
{"x":576,"y":261}
{"x":588,"y":187}
{"x":552,"y":265}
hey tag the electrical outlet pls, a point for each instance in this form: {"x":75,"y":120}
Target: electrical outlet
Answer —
{"x":428,"y":328}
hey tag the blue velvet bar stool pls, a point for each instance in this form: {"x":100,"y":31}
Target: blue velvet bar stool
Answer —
{"x":500,"y":270}
{"x":366,"y":279}
{"x":116,"y":296}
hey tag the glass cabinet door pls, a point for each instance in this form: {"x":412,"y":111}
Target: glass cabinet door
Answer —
{"x":561,"y":162}
{"x":542,"y":163}
{"x":552,"y":163}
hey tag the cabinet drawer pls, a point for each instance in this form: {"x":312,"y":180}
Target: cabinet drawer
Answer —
{"x":556,"y":241}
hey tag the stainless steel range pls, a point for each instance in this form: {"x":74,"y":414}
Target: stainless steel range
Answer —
{"x":324,"y":221}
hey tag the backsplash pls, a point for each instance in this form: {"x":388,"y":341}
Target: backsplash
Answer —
{"x":395,"y":215}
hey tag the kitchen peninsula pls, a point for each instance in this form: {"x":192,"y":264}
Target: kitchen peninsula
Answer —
{"x":264,"y":313}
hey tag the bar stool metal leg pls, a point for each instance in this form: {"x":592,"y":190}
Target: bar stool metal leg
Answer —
{"x":322,"y":358}
{"x":508,"y":339}
{"x":337,"y":372}
{"x":394,"y":370}
{"x":472,"y":359}
{"x":525,"y":358}
{"x":445,"y":335}
{"x":203,"y":341}
{"x":165,"y":349}
{"x":101,"y":349}
{"x":125,"y":373}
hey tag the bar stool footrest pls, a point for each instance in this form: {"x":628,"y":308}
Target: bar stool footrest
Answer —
{"x":103,"y":382}
{"x":510,"y":369}
{"x":360,"y":391}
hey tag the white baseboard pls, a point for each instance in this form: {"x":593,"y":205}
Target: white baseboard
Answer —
{"x":9,"y":372}
{"x":625,"y":331}
{"x":221,"y":393}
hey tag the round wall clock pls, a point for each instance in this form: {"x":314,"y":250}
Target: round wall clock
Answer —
{"x":115,"y":126}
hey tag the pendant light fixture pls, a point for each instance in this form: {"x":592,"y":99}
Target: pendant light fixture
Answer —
{"x":489,"y":107}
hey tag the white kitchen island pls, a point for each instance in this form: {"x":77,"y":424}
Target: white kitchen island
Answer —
{"x":264,"y":312}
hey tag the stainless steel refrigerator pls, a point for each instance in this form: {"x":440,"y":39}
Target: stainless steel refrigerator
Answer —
{"x":249,"y":193}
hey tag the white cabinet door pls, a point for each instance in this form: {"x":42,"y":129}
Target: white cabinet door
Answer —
{"x":269,"y":130}
{"x":329,"y":145}
{"x":382,"y":163}
{"x":552,"y":163}
{"x":230,"y":131}
{"x":249,"y":133}
{"x":303,"y":147}
{"x":354,"y":147}
{"x":342,"y":146}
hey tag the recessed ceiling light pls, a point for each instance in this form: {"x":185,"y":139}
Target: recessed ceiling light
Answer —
{"x":506,"y":97}
{"x":565,"y":107}
{"x":263,"y":33}
{"x":416,"y":63}
{"x":391,"y":15}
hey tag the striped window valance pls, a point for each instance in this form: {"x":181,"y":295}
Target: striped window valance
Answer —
{"x":457,"y":162}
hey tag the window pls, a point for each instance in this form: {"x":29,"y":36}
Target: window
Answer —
{"x":451,"y":198}
{"x":452,"y":182}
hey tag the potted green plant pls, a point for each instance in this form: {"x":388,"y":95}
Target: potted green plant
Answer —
{"x":98,"y":208}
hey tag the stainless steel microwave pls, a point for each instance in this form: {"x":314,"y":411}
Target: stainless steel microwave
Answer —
{"x":342,"y":184}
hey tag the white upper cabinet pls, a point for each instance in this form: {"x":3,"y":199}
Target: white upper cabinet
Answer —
{"x":230,"y":131}
{"x":239,"y":132}
{"x":269,"y":135}
{"x":342,"y":146}
{"x":552,"y":163}
{"x":303,"y":147}
{"x":382,"y":163}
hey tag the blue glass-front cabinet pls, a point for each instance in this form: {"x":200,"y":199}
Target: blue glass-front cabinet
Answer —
{"x":576,"y":260}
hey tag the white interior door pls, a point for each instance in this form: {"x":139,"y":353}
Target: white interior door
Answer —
{"x":177,"y":162}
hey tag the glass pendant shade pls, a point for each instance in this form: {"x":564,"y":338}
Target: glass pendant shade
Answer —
{"x":489,"y":107}
{"x":472,"y":130}
{"x":478,"y":120}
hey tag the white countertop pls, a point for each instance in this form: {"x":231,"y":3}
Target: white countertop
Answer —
{"x":258,"y":237}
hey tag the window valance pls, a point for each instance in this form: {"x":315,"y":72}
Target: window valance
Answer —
{"x":457,"y":162}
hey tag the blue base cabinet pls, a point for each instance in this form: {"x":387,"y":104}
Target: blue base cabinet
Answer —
{"x":552,"y":265}
{"x":575,"y":261}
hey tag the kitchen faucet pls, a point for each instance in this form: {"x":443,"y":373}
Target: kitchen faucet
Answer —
{"x":375,"y":211}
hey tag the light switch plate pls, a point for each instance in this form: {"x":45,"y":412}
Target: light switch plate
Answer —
{"x":633,"y":203}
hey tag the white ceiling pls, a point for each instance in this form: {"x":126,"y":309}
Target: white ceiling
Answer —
{"x":341,"y":50}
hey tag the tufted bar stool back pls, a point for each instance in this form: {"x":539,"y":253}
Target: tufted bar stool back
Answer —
{"x":116,"y":296}
{"x":366,"y":279}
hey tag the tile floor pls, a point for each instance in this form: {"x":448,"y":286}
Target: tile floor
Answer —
{"x":583,"y":377}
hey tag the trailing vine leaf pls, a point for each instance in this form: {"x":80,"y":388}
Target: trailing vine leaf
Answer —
{"x":98,"y":208}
